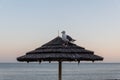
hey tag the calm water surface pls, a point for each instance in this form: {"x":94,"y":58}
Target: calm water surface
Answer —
{"x":49,"y":71}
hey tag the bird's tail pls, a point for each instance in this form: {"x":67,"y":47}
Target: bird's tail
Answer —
{"x":73,"y":40}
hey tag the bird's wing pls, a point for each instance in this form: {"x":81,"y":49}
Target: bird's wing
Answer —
{"x":69,"y":38}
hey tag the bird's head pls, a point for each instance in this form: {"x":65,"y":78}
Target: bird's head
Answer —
{"x":63,"y":32}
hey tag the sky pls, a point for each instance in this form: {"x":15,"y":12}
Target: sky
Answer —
{"x":28,"y":24}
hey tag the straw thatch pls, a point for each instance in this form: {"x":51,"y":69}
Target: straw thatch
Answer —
{"x":58,"y":50}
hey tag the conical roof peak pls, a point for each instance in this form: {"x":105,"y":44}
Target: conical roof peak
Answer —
{"x":59,"y":43}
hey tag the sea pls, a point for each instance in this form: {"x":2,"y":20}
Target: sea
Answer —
{"x":70,"y":71}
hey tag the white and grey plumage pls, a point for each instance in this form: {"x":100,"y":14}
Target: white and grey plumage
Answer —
{"x":67,"y":37}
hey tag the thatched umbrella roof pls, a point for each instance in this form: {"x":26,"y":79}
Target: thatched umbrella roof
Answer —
{"x":58,"y":50}
{"x":55,"y":50}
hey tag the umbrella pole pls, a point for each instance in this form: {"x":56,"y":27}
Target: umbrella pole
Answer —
{"x":60,"y":71}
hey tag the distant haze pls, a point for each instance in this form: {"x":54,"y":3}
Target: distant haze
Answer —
{"x":28,"y":24}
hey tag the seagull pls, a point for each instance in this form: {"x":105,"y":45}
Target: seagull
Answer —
{"x":66,"y":38}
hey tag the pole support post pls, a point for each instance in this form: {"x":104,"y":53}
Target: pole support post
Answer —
{"x":60,"y":70}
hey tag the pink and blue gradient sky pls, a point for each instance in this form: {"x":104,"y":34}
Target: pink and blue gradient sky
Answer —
{"x":27,"y":24}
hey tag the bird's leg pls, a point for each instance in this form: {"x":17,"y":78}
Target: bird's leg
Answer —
{"x":65,"y":43}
